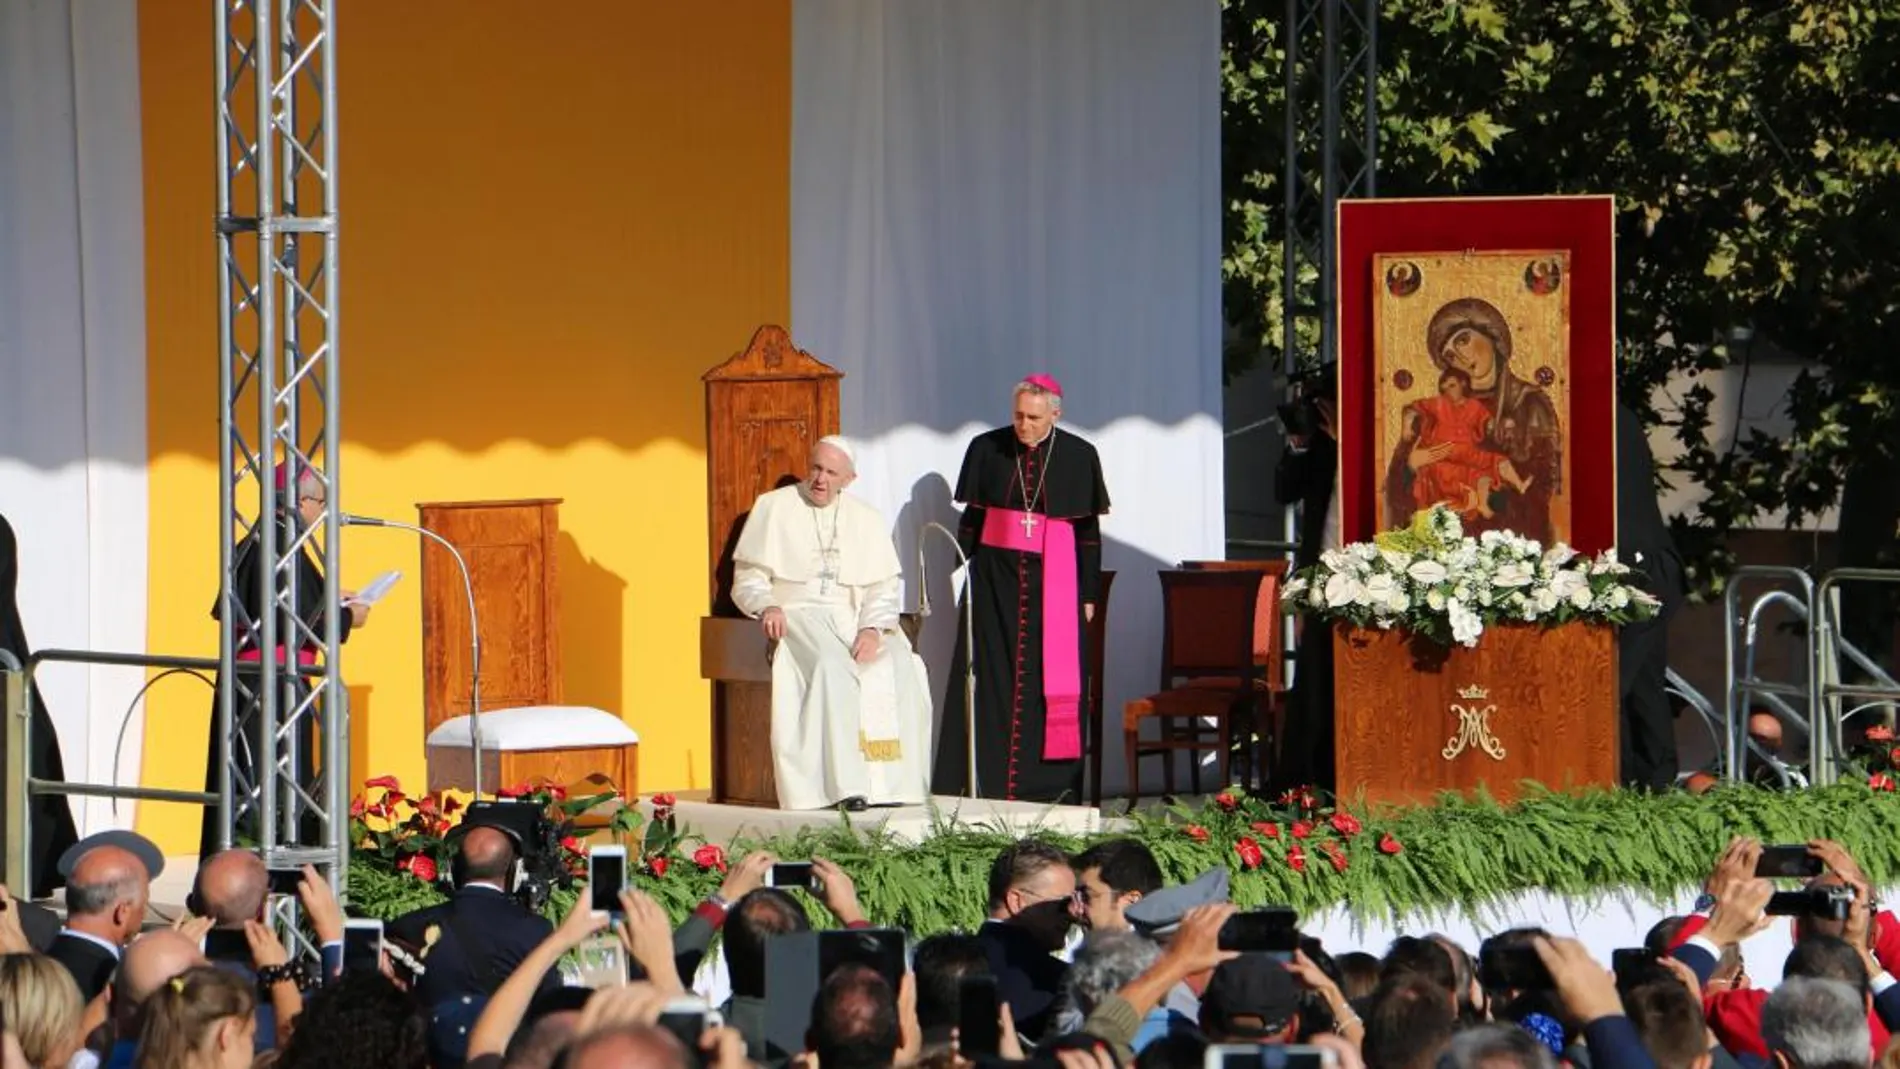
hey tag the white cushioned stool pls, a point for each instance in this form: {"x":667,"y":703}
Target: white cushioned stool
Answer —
{"x":562,"y":744}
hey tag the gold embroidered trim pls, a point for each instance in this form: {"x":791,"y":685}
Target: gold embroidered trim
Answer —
{"x":880,"y":749}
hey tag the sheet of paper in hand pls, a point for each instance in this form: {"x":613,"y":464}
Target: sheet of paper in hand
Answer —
{"x":377,"y":587}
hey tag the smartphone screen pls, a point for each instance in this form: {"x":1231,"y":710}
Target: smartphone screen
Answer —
{"x":362,"y":945}
{"x":790,"y":874}
{"x":1787,"y":863}
{"x":1262,"y":931}
{"x":1514,"y":969}
{"x":227,"y":944}
{"x":979,"y":1023}
{"x":1248,"y":1056}
{"x":1625,"y":961}
{"x":686,"y":1025}
{"x":285,"y":881}
{"x":606,"y":874}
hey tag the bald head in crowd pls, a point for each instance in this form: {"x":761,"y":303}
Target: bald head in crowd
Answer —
{"x":106,"y":893}
{"x":486,"y":855}
{"x":151,"y":960}
{"x":232,"y":887}
{"x":637,"y":1047}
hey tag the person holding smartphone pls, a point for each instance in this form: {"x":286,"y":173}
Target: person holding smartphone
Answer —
{"x":479,"y":936}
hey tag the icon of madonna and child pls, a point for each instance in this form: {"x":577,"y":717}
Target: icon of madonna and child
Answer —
{"x":1483,"y":440}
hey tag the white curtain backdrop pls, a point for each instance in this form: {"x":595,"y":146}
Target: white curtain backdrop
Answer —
{"x":72,"y":362}
{"x":987,"y":188}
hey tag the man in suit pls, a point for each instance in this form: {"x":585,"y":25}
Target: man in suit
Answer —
{"x":106,"y":892}
{"x":232,"y":888}
{"x":1308,"y":476}
{"x":1643,"y":542}
{"x":471,"y":943}
{"x":1031,"y":888}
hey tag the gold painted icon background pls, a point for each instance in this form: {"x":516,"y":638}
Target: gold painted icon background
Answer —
{"x":1409,"y":288}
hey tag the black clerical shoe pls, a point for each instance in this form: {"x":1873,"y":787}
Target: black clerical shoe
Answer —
{"x":854,"y":804}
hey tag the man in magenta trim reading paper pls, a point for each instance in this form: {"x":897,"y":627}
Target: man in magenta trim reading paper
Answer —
{"x":1033,"y":497}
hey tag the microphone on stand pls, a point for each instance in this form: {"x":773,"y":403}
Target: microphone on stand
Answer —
{"x":474,"y":629}
{"x":969,"y":634}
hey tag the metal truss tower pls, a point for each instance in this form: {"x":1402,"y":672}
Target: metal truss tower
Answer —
{"x":284,"y":730}
{"x":1332,"y":139}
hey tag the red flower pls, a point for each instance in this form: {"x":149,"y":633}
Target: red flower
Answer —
{"x":556,"y":792}
{"x":1308,"y":802}
{"x":1227,"y":801}
{"x":1195,"y":832}
{"x":1335,"y":854}
{"x":710,"y":857}
{"x":1296,"y":858}
{"x":515,"y":791}
{"x":1249,"y":851}
{"x":1389,"y":845}
{"x":426,"y":805}
{"x":393,"y":796}
{"x":657,"y":866}
{"x":1877,"y":733}
{"x":1346,"y":824}
{"x":356,"y":806}
{"x":424,"y":868}
{"x":571,"y":845}
{"x":1289,"y":797}
{"x":391,"y":783}
{"x":1267,"y":828}
{"x":1302,"y":829}
{"x":449,"y":804}
{"x":441,"y":825}
{"x":1880,"y":781}
{"x":664,"y":801}
{"x":1894,"y":758}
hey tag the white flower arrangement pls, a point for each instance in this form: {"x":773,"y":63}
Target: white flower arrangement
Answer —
{"x":1434,"y":581}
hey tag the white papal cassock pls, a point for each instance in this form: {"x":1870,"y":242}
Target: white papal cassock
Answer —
{"x":839,"y":729}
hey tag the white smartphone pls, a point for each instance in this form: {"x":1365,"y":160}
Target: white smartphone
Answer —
{"x":606,"y":875}
{"x":362,"y":944}
{"x":784,"y":874}
{"x":688,"y":1019}
{"x":1277,"y":1056}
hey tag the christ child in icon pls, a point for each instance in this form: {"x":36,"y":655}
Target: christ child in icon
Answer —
{"x":1455,"y":425}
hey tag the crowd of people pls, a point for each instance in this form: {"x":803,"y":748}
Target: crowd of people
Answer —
{"x":1089,"y":961}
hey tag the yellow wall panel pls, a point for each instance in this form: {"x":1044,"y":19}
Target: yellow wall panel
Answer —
{"x":550,"y":227}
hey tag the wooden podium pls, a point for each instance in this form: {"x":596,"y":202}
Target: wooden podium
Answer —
{"x":1413,"y":719}
{"x":765,"y":409}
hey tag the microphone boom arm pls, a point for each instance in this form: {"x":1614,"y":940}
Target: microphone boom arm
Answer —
{"x":969,"y":636}
{"x":474,"y":631}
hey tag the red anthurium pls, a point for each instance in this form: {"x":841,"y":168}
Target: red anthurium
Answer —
{"x":1877,"y":733}
{"x":1880,"y":781}
{"x":571,"y":845}
{"x":1227,"y":801}
{"x":657,"y":866}
{"x":664,"y":801}
{"x":424,"y":868}
{"x":710,"y":857}
{"x":1335,"y":854}
{"x":1195,"y":832}
{"x":1296,"y":858}
{"x":1346,"y":824}
{"x":1249,"y":851}
{"x":1389,"y":845}
{"x":1267,"y":828}
{"x":388,"y":783}
{"x":1302,"y":829}
{"x":357,"y":806}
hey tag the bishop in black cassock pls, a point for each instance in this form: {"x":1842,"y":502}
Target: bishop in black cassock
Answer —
{"x":50,"y":816}
{"x":1033,"y":496}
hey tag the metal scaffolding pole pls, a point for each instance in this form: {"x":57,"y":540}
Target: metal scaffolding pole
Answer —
{"x":284,"y":779}
{"x":1331,"y":70}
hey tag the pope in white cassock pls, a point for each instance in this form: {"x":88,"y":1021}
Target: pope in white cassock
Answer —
{"x":850,"y":699}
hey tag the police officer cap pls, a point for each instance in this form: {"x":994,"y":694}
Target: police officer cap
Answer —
{"x":1160,"y":913}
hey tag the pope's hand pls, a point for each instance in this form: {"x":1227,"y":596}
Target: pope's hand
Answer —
{"x":774,"y":621}
{"x":359,"y":614}
{"x":866,"y":645}
{"x":1088,"y":612}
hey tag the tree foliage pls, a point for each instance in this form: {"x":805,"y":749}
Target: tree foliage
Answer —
{"x":1754,"y":151}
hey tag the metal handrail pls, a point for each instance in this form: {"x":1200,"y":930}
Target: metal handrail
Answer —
{"x":1826,"y":665}
{"x":1745,"y":685}
{"x":22,"y":786}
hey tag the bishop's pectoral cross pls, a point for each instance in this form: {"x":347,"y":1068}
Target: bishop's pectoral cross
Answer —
{"x":1029,"y":525}
{"x":828,"y":570}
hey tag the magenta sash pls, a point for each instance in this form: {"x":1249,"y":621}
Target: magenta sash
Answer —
{"x":1061,"y":632}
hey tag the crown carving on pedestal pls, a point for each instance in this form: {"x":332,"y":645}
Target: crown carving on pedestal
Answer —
{"x":1474,"y":693}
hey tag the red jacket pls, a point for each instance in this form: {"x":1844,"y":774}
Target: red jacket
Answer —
{"x":1735,"y":1016}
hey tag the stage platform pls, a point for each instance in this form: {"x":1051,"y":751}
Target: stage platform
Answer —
{"x":724,"y":823}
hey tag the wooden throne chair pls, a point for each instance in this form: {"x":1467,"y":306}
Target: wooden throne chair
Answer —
{"x":765,"y":409}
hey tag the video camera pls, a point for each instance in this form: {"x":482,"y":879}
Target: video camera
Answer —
{"x":1299,"y":411}
{"x":538,"y":867}
{"x":1826,"y":903}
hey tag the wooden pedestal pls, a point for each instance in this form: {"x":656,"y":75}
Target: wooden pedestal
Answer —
{"x":1413,"y":719}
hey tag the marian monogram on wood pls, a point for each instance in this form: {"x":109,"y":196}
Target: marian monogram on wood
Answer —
{"x":1474,"y":726}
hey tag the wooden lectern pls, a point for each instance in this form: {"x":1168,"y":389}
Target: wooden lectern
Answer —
{"x":1528,"y":703}
{"x":765,"y":409}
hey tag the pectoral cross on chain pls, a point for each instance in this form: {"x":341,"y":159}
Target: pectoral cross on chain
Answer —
{"x":828,"y":572}
{"x":1029,"y":525}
